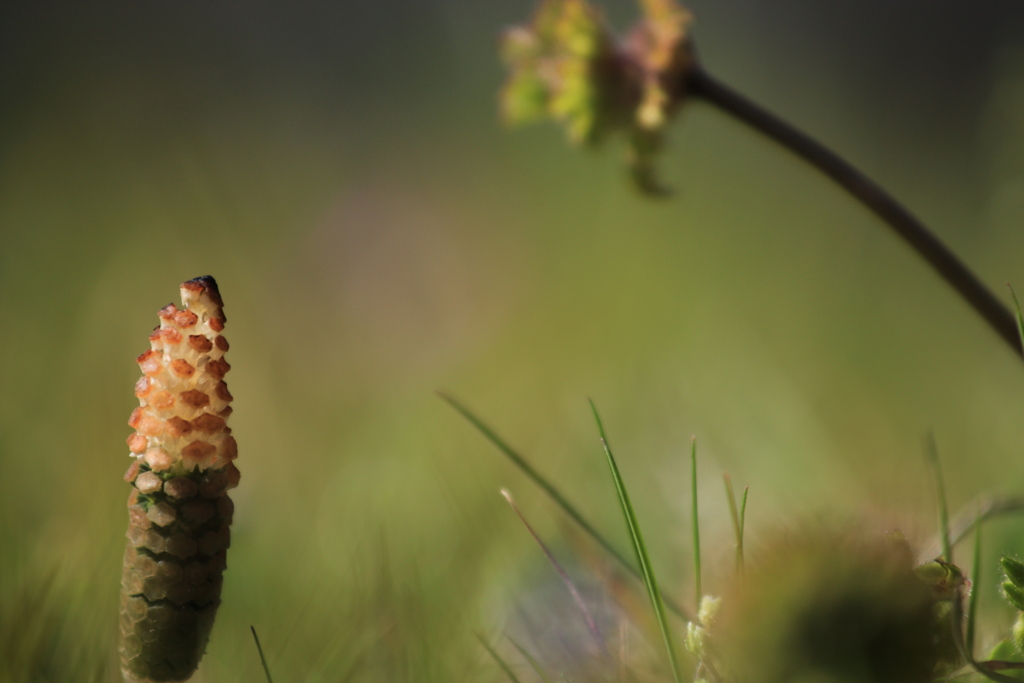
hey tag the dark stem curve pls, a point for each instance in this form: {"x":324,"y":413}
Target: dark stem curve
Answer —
{"x":949,"y":267}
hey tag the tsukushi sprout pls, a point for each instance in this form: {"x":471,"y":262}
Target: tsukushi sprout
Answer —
{"x":179,"y":512}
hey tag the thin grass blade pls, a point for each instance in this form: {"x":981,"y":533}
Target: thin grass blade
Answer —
{"x":641,"y":550}
{"x":497,"y":658}
{"x":983,"y":508}
{"x":555,"y":495}
{"x":932,"y":454}
{"x":696,"y":522}
{"x":734,"y":514}
{"x":263,"y":660}
{"x":972,"y":605}
{"x":738,"y":518}
{"x":958,"y":639}
{"x":591,"y":624}
{"x":1016,"y":309}
{"x":743,"y":520}
{"x":532,"y":661}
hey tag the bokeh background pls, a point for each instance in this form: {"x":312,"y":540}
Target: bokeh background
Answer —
{"x":341,"y":170}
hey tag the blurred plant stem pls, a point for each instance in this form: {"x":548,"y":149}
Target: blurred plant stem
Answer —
{"x":975,"y":512}
{"x":954,"y":271}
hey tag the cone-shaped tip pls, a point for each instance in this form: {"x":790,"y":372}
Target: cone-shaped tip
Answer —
{"x":203,"y":287}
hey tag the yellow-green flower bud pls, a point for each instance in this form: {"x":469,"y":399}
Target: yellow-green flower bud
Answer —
{"x":708,"y":611}
{"x":567,"y":65}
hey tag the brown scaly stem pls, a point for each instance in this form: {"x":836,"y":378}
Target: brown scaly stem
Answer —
{"x":874,"y":197}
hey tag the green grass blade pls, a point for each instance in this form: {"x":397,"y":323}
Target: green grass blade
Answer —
{"x":497,"y":658}
{"x":1020,"y":319}
{"x":735,"y":515}
{"x":555,"y":495}
{"x":972,"y":606}
{"x":932,"y":453}
{"x":263,"y":660}
{"x":696,"y":521}
{"x":743,"y":521}
{"x":958,"y":639}
{"x":984,"y":509}
{"x":641,"y":550}
{"x":532,"y":660}
{"x":566,"y":579}
{"x":958,"y":636}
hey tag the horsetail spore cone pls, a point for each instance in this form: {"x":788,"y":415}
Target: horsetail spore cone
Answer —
{"x":178,"y":510}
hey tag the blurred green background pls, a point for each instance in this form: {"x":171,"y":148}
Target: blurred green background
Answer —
{"x":377,"y":235}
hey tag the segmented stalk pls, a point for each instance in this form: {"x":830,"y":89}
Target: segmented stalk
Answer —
{"x":179,"y":512}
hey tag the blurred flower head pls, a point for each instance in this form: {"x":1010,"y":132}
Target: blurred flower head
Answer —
{"x":833,"y":607}
{"x":567,"y":65}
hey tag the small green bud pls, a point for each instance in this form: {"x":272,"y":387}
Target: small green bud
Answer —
{"x":1014,"y":570}
{"x":1014,"y":593}
{"x":931,"y":572}
{"x":945,"y":579}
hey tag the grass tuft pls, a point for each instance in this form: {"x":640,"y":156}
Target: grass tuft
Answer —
{"x":640,"y":549}
{"x":560,"y":500}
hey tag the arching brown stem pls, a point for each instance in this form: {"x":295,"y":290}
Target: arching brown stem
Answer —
{"x":943,"y":261}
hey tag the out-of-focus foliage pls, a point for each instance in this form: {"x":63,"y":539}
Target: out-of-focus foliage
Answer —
{"x":340,"y":169}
